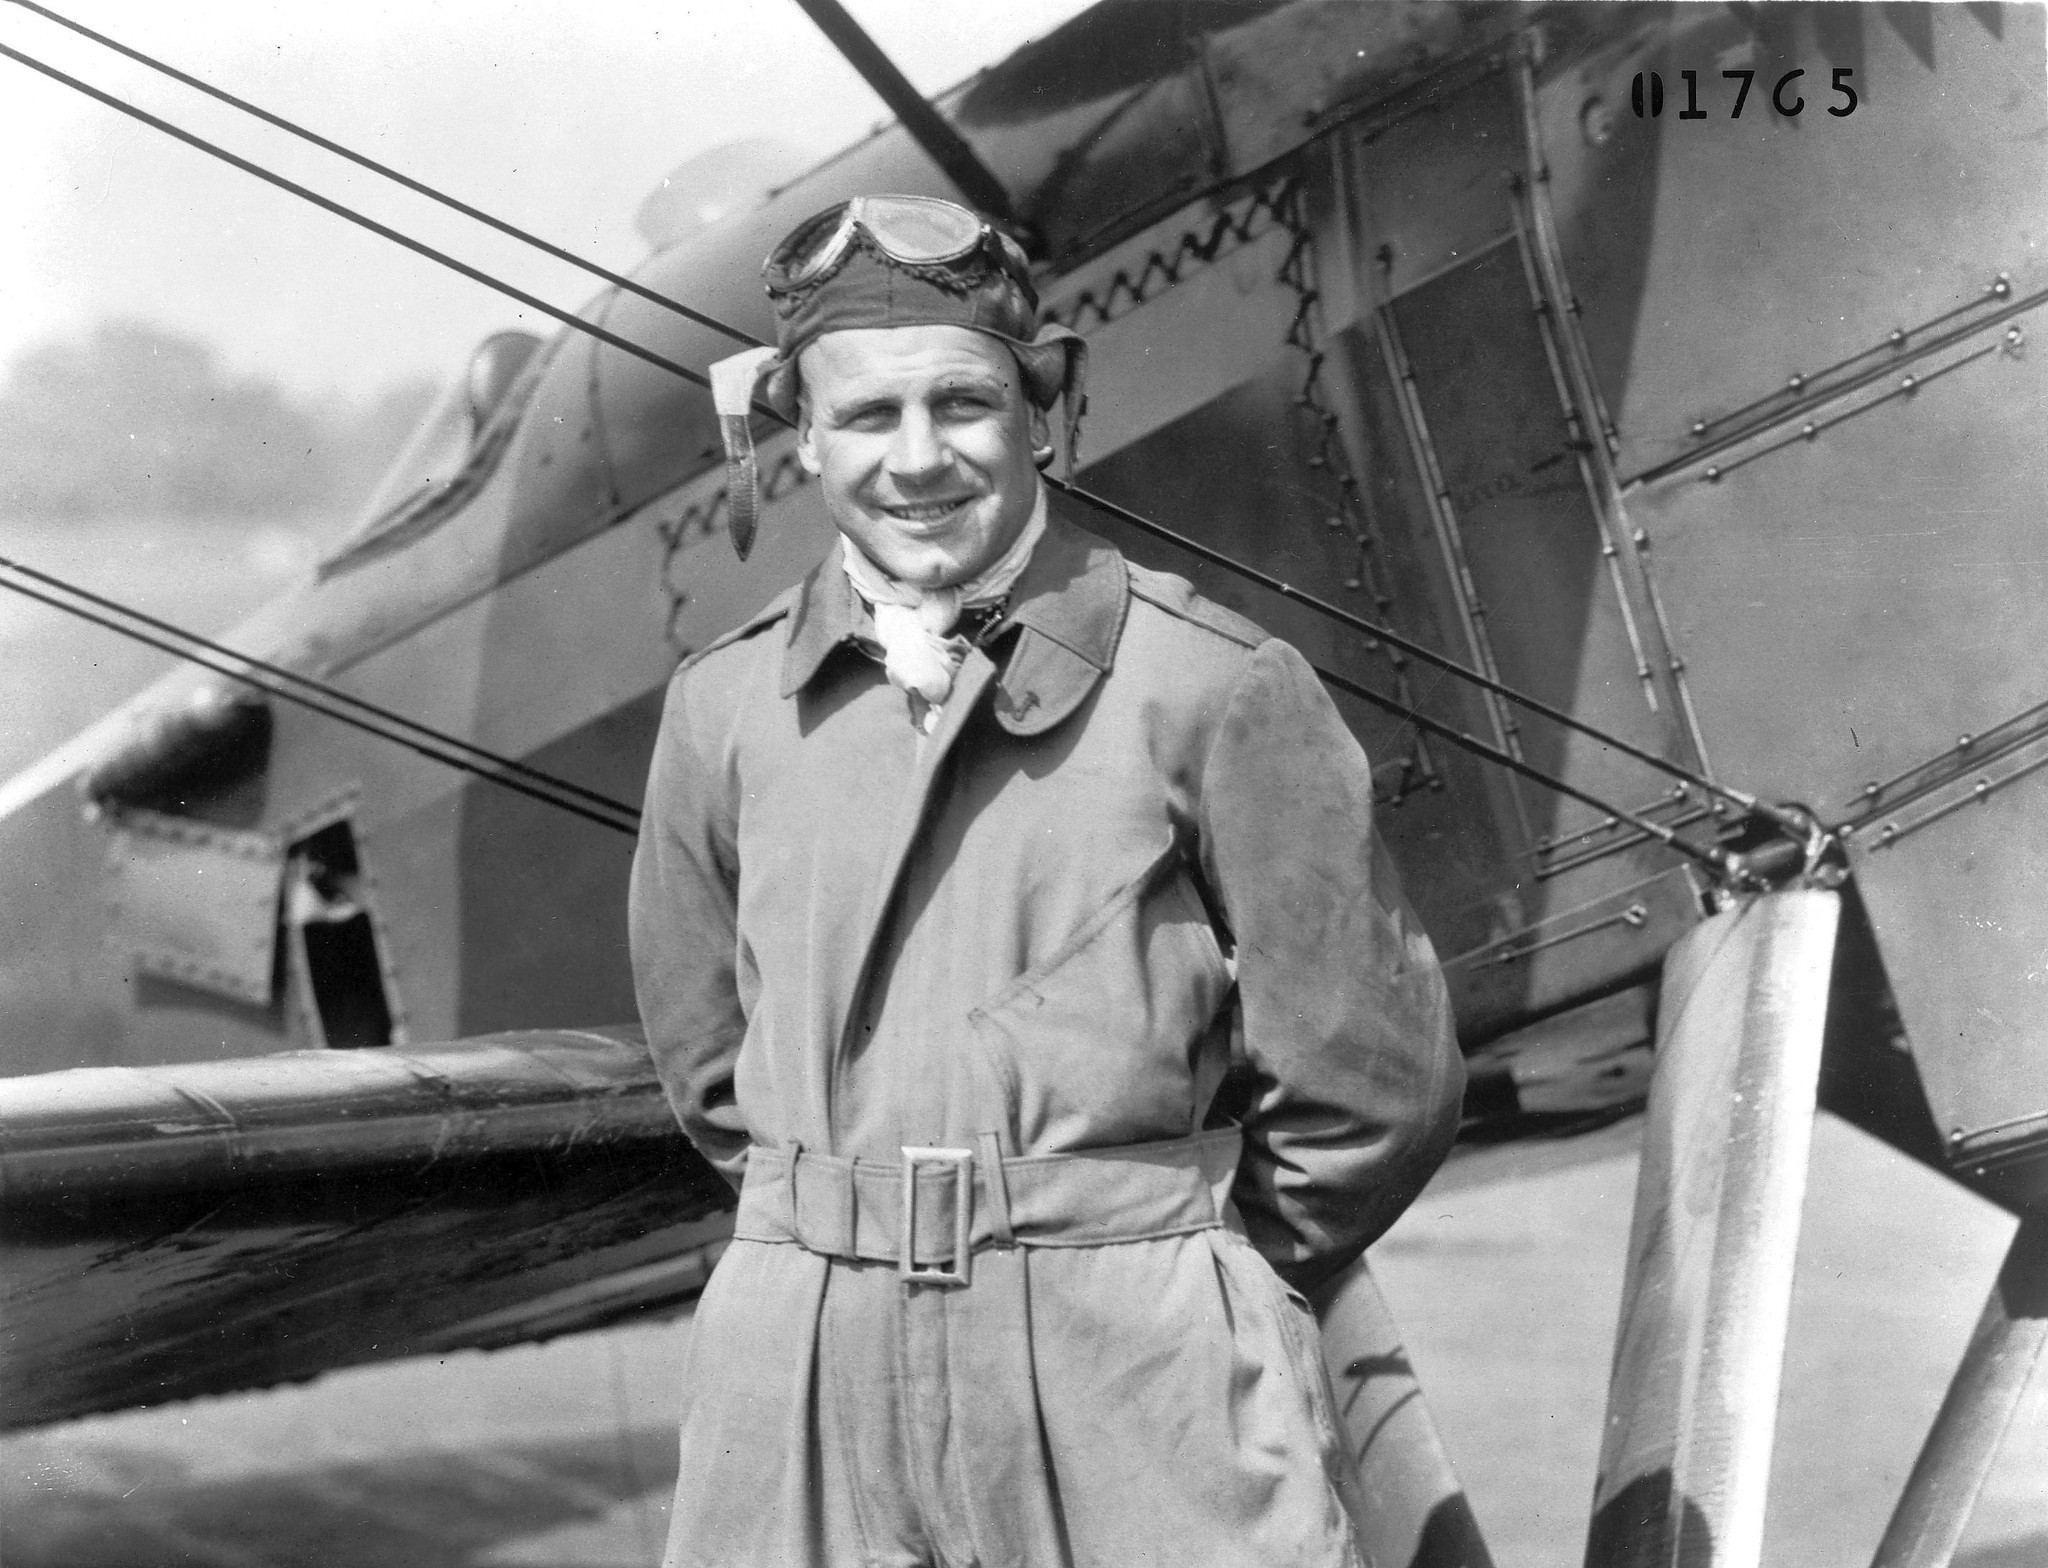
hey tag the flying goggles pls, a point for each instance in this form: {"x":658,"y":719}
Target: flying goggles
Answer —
{"x":915,"y":231}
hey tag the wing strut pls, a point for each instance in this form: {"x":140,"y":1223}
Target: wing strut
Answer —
{"x":1935,"y":1508}
{"x":1685,"y":1461}
{"x":927,"y":127}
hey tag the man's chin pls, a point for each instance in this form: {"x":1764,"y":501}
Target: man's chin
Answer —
{"x":929,"y":573}
{"x":925,"y":564}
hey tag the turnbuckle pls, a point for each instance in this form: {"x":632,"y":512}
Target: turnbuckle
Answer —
{"x":962,"y":1161}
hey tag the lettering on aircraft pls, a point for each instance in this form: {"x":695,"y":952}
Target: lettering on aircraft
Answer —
{"x":1787,"y":95}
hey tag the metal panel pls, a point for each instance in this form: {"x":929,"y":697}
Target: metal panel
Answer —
{"x":1713,"y":258}
{"x":195,"y":903}
{"x":1850,"y":607}
{"x":1851,"y":602}
{"x":1518,"y":522}
{"x":1436,"y":185}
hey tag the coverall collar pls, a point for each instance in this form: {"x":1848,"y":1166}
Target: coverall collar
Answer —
{"x":1069,"y":606}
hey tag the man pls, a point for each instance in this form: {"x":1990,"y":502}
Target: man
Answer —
{"x":967,"y":866}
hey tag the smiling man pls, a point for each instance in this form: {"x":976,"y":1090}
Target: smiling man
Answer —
{"x":971,"y":869}
{"x":923,"y":438}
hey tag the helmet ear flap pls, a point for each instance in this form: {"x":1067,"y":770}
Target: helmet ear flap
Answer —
{"x":779,"y":388}
{"x":1044,"y":367}
{"x":1055,"y":364}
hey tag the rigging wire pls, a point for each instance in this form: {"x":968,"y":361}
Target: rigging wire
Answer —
{"x":384,"y":231}
{"x":1716,"y":858}
{"x":1358,"y":623}
{"x":316,"y":686}
{"x":442,"y":748}
{"x":420,"y":187}
{"x":1450,"y":666}
{"x":1320,"y":606}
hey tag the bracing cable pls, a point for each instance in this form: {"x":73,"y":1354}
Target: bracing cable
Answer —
{"x":1320,"y":606}
{"x":383,"y":231}
{"x":1710,"y":857}
{"x":420,"y":187}
{"x":318,"y":688}
{"x":435,"y":745}
{"x":440,"y":746}
{"x":1393,"y":639}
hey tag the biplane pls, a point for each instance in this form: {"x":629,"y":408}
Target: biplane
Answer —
{"x":1629,"y":409}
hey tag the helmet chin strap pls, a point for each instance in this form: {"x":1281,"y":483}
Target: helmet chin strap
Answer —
{"x":733,"y":380}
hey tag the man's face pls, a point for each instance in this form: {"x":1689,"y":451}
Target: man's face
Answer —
{"x":921,"y":438}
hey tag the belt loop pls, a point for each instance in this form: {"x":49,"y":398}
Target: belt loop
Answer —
{"x":852,"y":1207}
{"x":998,"y":1190}
{"x":796,"y":1224}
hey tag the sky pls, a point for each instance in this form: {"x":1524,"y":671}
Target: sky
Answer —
{"x":555,"y":115}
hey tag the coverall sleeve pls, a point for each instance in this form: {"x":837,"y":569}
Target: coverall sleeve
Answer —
{"x":1356,"y":1074}
{"x":683,"y":921}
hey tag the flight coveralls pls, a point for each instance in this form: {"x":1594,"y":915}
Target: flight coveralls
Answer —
{"x":1027,"y":940}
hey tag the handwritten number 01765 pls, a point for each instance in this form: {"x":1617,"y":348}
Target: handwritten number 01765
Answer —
{"x":1646,"y":94}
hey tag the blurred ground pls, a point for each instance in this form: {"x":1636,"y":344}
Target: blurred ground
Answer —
{"x":1505,"y":1276}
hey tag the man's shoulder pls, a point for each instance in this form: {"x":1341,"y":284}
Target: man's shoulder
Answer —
{"x":1176,"y":597}
{"x":746,"y":635}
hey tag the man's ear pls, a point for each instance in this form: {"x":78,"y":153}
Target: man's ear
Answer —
{"x":1038,"y":428}
{"x":806,"y":448}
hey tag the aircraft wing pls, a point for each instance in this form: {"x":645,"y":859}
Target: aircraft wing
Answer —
{"x":175,"y":1231}
{"x":168,"y":1232}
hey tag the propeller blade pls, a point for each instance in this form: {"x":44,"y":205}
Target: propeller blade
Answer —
{"x":1692,"y":1404}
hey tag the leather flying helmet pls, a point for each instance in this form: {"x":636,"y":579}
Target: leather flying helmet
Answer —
{"x":887,"y":261}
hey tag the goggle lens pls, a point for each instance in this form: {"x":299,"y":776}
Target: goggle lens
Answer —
{"x":915,"y":230}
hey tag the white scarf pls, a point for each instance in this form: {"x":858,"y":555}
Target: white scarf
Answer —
{"x":913,"y":623}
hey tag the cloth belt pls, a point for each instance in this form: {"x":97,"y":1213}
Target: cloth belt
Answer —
{"x":845,"y":1208}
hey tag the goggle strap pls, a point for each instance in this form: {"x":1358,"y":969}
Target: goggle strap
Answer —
{"x":827,"y":255}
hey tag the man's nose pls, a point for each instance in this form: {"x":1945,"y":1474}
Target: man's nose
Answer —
{"x":918,"y":452}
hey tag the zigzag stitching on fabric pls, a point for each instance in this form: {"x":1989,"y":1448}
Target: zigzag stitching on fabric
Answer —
{"x":703,"y":519}
{"x":1237,"y":225}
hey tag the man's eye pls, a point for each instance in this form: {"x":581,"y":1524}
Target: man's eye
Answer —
{"x":867,"y":419}
{"x":964,"y":405}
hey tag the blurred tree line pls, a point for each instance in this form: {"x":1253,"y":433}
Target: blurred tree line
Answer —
{"x":140,"y":420}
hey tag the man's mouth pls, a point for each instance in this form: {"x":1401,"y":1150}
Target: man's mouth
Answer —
{"x":926,"y":511}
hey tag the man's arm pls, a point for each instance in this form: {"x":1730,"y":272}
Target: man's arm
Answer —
{"x":1347,"y":1026}
{"x":683,"y":920}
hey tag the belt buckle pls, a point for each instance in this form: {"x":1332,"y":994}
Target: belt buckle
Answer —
{"x":962,"y":1161}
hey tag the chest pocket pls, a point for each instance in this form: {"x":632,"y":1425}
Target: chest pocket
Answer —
{"x":1098,"y":1045}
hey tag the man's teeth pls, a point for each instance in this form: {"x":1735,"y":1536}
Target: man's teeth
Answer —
{"x":928,"y":511}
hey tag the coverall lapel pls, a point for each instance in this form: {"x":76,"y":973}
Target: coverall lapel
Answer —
{"x":969,"y":686}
